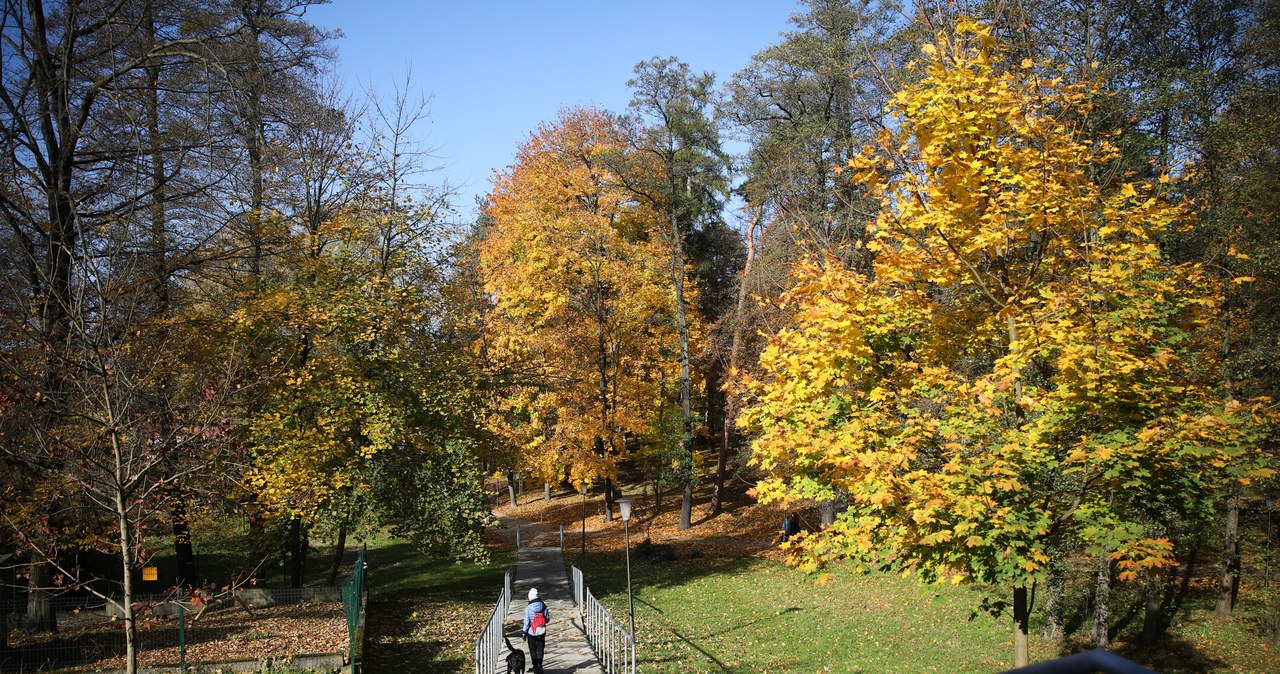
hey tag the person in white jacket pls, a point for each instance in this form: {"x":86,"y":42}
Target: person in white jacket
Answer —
{"x":535,"y":631}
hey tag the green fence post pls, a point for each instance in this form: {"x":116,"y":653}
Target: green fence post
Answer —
{"x":182,"y":638}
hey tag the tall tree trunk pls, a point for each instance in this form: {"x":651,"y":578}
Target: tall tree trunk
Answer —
{"x":40,"y":616}
{"x":511,"y":487}
{"x":339,"y":549}
{"x":546,"y":492}
{"x":1053,"y":600}
{"x":1100,"y":635}
{"x":51,"y":285}
{"x":729,"y":427}
{"x":254,"y":128}
{"x":126,"y":567}
{"x":657,"y":499}
{"x":715,"y":397}
{"x":184,"y":555}
{"x":297,"y":543}
{"x":682,"y":326}
{"x":1021,"y":627}
{"x":1152,"y":615}
{"x":686,"y":507}
{"x":722,"y":467}
{"x":608,"y":500}
{"x":1228,"y":579}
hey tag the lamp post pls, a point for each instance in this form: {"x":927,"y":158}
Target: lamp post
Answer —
{"x":584,"y":518}
{"x":624,"y":504}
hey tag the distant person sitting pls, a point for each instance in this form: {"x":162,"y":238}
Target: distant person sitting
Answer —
{"x":790,"y":526}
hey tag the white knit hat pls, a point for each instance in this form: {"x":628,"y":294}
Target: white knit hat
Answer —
{"x":533,"y":593}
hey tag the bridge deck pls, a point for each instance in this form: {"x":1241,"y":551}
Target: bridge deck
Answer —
{"x":567,"y":649}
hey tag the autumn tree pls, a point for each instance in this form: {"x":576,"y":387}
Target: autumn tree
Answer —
{"x":581,"y":292}
{"x":90,"y":249}
{"x":805,"y":106}
{"x":678,"y":137}
{"x":1021,"y":372}
{"x":367,"y":382}
{"x":112,"y":158}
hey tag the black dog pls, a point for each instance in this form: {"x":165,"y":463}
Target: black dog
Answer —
{"x":515,"y":659}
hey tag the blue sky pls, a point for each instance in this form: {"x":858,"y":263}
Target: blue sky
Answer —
{"x":497,"y":69}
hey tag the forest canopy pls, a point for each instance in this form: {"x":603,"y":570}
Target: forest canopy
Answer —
{"x":990,"y":287}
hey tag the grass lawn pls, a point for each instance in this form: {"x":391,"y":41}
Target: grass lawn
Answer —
{"x":753,"y":615}
{"x":749,"y":614}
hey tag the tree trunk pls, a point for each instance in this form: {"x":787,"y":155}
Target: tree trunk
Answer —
{"x":126,"y":567}
{"x":297,"y":543}
{"x":183,"y":553}
{"x":1227,"y":581}
{"x":1152,"y":616}
{"x":827,"y":512}
{"x":722,"y":463}
{"x":728,"y":435}
{"x":1053,"y":596}
{"x":1021,"y":627}
{"x":715,"y":404}
{"x":511,"y":487}
{"x":546,"y":492}
{"x":40,"y":616}
{"x":686,"y":393}
{"x":608,"y":500}
{"x":1102,"y":603}
{"x":686,"y":507}
{"x":657,"y":499}
{"x":339,"y":549}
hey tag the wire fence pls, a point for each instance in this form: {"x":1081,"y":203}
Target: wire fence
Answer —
{"x":355,"y":594}
{"x":612,"y":644}
{"x":249,"y":624}
{"x":489,"y":643}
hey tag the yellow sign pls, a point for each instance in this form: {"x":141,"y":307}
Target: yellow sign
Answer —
{"x":149,"y":573}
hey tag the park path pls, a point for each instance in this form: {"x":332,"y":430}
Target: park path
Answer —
{"x":567,"y":649}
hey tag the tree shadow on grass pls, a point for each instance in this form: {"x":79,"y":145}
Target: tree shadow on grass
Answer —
{"x":397,"y":568}
{"x":395,"y":642}
{"x":605,"y":573}
{"x":409,"y":596}
{"x":1172,"y":656}
{"x":723,"y":667}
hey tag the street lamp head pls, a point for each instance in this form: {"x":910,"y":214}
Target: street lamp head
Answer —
{"x":624,"y":504}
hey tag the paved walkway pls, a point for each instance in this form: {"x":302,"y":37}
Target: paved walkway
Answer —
{"x":567,"y":649}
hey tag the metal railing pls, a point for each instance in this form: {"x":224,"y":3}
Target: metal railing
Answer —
{"x":575,"y":581}
{"x":613,"y":646}
{"x":489,"y":643}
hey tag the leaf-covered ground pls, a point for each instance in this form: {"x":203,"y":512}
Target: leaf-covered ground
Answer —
{"x":222,"y":636}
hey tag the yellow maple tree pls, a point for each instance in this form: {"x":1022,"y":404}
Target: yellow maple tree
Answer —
{"x":1021,"y":372}
{"x":582,"y":302}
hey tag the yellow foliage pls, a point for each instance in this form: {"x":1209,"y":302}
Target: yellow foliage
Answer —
{"x":1019,"y":353}
{"x":583,"y":301}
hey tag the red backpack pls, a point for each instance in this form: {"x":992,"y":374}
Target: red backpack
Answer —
{"x":538,"y":626}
